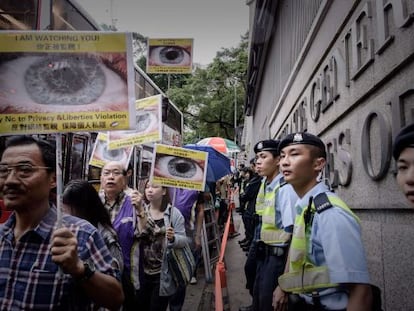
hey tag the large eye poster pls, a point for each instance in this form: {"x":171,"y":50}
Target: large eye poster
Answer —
{"x":179,"y":167}
{"x":170,"y":56}
{"x":55,"y":81}
{"x":101,"y":154}
{"x":148,"y":125}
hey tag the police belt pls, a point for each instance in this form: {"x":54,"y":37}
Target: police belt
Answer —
{"x":269,"y":250}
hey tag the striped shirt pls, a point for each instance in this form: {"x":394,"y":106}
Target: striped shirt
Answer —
{"x":30,"y":280}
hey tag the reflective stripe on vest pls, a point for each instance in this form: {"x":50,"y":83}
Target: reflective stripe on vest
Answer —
{"x":304,"y":276}
{"x":265,"y":207}
{"x":260,"y":199}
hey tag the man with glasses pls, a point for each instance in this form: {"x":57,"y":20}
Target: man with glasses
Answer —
{"x":124,"y":218}
{"x":43,"y":267}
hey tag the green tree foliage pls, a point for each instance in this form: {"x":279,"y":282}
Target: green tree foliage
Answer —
{"x":209,"y":96}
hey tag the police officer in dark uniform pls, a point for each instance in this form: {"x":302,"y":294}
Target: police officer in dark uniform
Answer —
{"x":275,"y":213}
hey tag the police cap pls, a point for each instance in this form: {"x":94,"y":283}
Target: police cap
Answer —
{"x":266,"y":145}
{"x":302,"y":138}
{"x":404,"y":139}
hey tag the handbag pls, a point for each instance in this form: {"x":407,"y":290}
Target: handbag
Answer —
{"x":181,"y":264}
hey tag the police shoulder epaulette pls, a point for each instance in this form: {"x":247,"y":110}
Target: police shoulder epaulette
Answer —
{"x":322,"y":202}
{"x":282,"y":182}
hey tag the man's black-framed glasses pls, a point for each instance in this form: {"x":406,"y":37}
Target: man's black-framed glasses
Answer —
{"x":21,"y":170}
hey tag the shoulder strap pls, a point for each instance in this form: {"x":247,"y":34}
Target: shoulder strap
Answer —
{"x":282,"y":182}
{"x":322,"y":202}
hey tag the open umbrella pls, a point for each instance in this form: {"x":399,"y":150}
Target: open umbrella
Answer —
{"x":223,"y":145}
{"x":218,"y":164}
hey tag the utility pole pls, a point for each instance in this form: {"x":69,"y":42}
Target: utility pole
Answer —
{"x":235,"y":111}
{"x":111,"y":14}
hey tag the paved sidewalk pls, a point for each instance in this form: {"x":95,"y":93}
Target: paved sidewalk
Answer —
{"x":200,"y":296}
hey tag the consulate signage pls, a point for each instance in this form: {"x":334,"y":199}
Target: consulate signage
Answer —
{"x":372,"y":48}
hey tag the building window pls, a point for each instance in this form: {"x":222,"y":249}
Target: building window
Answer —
{"x":18,"y":15}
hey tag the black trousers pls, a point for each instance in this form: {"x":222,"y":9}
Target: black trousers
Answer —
{"x":269,"y":268}
{"x":148,"y":297}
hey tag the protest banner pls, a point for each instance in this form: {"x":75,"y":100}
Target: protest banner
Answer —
{"x":102,"y":155}
{"x":170,"y":56}
{"x":148,"y":125}
{"x":179,"y":167}
{"x":56,"y":81}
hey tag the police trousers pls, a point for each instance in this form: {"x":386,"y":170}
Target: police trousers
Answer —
{"x":270,"y":265}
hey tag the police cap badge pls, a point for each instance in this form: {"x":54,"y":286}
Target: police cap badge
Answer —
{"x":266,"y":145}
{"x":303,"y":138}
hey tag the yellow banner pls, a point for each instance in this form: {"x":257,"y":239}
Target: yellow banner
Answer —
{"x":170,"y":41}
{"x":182,"y":152}
{"x":175,"y":183}
{"x":63,"y":122}
{"x":62,"y":42}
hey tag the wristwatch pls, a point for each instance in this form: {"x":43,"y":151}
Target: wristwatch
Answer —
{"x":88,"y":272}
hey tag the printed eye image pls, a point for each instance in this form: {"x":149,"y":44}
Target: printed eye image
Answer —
{"x":103,"y":153}
{"x":178,"y":168}
{"x":62,"y":83}
{"x":169,"y":55}
{"x":146,"y":121}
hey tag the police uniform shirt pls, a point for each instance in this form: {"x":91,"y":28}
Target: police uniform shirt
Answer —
{"x":335,"y":242}
{"x":284,"y":205}
{"x":285,"y":201}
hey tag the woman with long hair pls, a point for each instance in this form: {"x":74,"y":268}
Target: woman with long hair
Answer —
{"x":80,"y":199}
{"x":161,"y":227}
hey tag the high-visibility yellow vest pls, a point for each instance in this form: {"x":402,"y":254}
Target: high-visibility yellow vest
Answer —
{"x":304,"y":276}
{"x":265,"y":207}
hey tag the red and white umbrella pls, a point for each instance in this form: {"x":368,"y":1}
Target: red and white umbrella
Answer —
{"x":223,"y":145}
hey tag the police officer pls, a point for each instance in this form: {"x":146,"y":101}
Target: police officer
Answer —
{"x":403,"y":152}
{"x":327,"y":264}
{"x":274,"y":207}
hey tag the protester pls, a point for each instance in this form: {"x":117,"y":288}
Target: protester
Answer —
{"x":274,"y":207}
{"x":191,"y":205}
{"x":43,"y":267}
{"x":124,"y":220}
{"x":327,"y":270}
{"x":161,"y":226}
{"x":222,"y":186}
{"x":80,"y":199}
{"x":403,"y":152}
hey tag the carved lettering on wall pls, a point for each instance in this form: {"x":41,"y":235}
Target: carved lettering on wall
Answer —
{"x":384,"y":147}
{"x":344,"y":65}
{"x":339,"y":162}
{"x":392,"y":12}
{"x":362,"y":42}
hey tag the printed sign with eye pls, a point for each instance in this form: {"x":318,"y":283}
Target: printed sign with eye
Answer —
{"x":65,"y":82}
{"x":170,"y":56}
{"x":148,"y":125}
{"x":102,"y":155}
{"x":179,"y":167}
